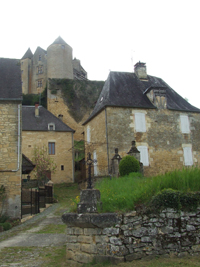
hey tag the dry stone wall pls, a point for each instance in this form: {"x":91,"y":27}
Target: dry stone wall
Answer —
{"x":131,"y":236}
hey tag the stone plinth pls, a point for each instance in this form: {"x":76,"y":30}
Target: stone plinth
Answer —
{"x":89,"y":200}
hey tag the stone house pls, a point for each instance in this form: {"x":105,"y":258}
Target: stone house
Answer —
{"x":56,"y":63}
{"x":41,"y":128}
{"x":145,"y":109}
{"x":10,"y":135}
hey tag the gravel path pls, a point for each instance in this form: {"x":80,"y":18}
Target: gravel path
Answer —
{"x":32,"y":242}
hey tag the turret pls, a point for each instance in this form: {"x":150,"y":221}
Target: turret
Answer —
{"x":59,"y":60}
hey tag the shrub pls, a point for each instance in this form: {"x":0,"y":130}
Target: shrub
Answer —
{"x":169,"y":198}
{"x":128,"y":164}
{"x":6,"y":226}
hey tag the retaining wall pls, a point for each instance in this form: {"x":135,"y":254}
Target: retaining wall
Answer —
{"x":131,"y":236}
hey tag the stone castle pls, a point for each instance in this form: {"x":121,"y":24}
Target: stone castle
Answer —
{"x":56,"y":62}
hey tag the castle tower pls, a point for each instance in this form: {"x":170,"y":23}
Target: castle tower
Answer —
{"x":26,"y":70}
{"x":59,"y":60}
{"x":39,"y":71}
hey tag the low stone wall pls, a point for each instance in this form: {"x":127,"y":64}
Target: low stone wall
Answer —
{"x":131,"y":236}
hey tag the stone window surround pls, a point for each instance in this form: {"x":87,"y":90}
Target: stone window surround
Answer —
{"x":51,"y":126}
{"x":51,"y":148}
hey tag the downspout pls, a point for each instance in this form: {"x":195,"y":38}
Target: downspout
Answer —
{"x":73,"y":157}
{"x":107,"y":141}
{"x":18,"y":144}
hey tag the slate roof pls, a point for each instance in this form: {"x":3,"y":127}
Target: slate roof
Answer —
{"x":10,"y":79}
{"x":32,"y":123}
{"x":124,"y":89}
{"x":59,"y":40}
{"x":40,"y":50}
{"x":28,"y":54}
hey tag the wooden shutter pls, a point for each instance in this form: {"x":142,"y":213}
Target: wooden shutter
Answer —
{"x":88,"y":134}
{"x":140,"y":125}
{"x":185,"y":126}
{"x":188,"y":160}
{"x":144,"y":158}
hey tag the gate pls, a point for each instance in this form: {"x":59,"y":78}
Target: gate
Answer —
{"x":33,"y":199}
{"x":29,"y":201}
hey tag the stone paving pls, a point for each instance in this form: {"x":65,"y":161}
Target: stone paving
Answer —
{"x":24,"y":246}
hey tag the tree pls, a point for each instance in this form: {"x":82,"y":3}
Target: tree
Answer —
{"x":43,"y":163}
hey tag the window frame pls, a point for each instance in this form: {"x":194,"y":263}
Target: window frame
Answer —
{"x":51,"y":148}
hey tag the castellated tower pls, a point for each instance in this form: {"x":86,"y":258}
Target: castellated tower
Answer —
{"x":59,"y":60}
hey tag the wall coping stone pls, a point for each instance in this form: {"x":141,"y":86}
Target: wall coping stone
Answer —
{"x":91,"y":220}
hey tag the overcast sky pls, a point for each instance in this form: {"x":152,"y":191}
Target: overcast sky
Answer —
{"x":112,"y":35}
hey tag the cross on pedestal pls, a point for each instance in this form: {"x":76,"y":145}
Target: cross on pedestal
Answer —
{"x":89,"y":162}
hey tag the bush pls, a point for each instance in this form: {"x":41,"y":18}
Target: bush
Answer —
{"x":128,"y":164}
{"x":6,"y":226}
{"x":169,"y":198}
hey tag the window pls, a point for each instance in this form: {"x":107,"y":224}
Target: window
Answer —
{"x":51,"y":146}
{"x":51,"y":126}
{"x":144,"y":155}
{"x":140,"y":125}
{"x":39,"y":83}
{"x":188,"y":160}
{"x":88,"y":134}
{"x":62,"y":167}
{"x":185,"y":125}
{"x":39,"y":69}
{"x":40,"y":57}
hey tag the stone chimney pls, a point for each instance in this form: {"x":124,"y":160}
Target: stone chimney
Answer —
{"x":36,"y":109}
{"x":140,"y":70}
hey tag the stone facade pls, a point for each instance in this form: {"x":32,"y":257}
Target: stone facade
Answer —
{"x":131,"y":236}
{"x":63,"y":152}
{"x":163,"y":137}
{"x":10,"y":156}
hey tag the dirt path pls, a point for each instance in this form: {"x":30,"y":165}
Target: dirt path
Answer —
{"x":36,"y":242}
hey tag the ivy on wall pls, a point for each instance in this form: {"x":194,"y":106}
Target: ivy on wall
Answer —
{"x":31,"y":99}
{"x":79,"y":96}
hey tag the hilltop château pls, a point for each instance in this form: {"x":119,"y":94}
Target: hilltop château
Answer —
{"x":56,"y":63}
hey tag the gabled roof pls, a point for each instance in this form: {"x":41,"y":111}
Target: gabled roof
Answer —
{"x":10,"y":79}
{"x":28,"y":54}
{"x":124,"y":89}
{"x":32,"y":123}
{"x":59,"y":40}
{"x":40,"y":50}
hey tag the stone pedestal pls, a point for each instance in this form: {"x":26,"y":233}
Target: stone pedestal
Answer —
{"x":89,"y":201}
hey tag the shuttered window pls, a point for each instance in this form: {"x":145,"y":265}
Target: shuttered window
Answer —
{"x":185,"y":125}
{"x":188,"y":160}
{"x":140,"y":124}
{"x":88,"y":134}
{"x":144,"y":158}
{"x":51,"y":146}
{"x":95,"y":163}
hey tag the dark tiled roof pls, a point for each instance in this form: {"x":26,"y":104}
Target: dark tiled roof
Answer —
{"x":59,"y":40}
{"x":123,"y":89}
{"x":10,"y":79}
{"x":32,"y":123}
{"x":28,"y":54}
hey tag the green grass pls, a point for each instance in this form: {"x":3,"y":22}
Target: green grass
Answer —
{"x":124,"y":193}
{"x":53,"y":229}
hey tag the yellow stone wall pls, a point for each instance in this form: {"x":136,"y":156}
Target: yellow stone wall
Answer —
{"x":97,"y":142}
{"x":56,"y":106}
{"x":10,"y":157}
{"x":163,"y":137}
{"x":25,"y":75}
{"x":63,"y":151}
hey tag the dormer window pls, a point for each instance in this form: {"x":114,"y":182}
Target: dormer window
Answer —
{"x":51,"y":126}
